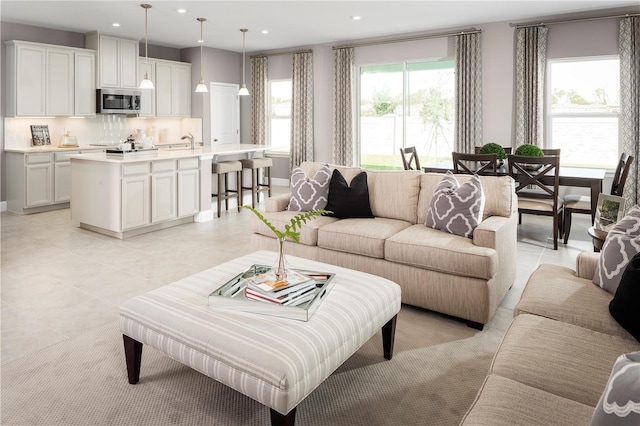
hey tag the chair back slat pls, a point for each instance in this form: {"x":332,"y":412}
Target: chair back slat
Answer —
{"x":539,"y":173}
{"x":481,"y":164}
{"x":410,"y":159}
{"x":622,"y":171}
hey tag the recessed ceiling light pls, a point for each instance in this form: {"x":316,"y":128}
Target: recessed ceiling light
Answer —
{"x":115,"y":24}
{"x":181,"y":10}
{"x":356,"y":17}
{"x":265,"y":31}
{"x":200,"y":41}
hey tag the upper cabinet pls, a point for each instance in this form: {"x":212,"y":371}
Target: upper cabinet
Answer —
{"x":48,"y":80}
{"x":117,"y":60}
{"x":171,"y":96}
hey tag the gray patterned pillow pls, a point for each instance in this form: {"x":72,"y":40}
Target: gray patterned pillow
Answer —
{"x":619,"y":404}
{"x":454,"y":208}
{"x":309,"y":194}
{"x":622,"y":243}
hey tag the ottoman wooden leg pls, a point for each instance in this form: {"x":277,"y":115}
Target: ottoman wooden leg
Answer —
{"x":133,"y":355}
{"x":388,"y":337}
{"x":288,"y":419}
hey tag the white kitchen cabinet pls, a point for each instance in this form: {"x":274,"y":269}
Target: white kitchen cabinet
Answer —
{"x":173,"y":89}
{"x":117,"y":60}
{"x":43,"y":80}
{"x":188,"y":187}
{"x":148,"y":96}
{"x":135,"y":196}
{"x":163,"y":191}
{"x":62,"y":182}
{"x":85,"y":84}
{"x":38,"y":178}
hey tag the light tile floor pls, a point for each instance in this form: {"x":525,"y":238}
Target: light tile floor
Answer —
{"x":58,"y":281}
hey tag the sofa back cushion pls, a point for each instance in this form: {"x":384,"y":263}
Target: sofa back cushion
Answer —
{"x":499,"y":192}
{"x":393,"y":194}
{"x":311,"y":168}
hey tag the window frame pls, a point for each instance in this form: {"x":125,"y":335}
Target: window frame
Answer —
{"x":549,"y":115}
{"x":271,"y":116}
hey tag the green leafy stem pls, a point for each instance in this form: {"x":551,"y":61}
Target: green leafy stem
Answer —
{"x":290,"y":229}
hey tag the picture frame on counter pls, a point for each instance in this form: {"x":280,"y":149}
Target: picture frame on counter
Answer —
{"x":609,"y":211}
{"x":40,"y":135}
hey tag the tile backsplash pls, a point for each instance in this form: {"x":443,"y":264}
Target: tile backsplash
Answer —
{"x":104,"y":129}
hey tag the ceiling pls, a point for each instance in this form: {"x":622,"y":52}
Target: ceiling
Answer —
{"x":290,"y":23}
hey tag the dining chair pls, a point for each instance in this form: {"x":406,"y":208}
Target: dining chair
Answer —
{"x":410,"y":159}
{"x":551,"y":151}
{"x":537,"y":181}
{"x":481,"y":164}
{"x":574,"y":203}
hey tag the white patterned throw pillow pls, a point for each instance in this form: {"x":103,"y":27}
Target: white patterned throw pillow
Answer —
{"x":456,"y":208}
{"x":622,"y":243}
{"x":309,"y":193}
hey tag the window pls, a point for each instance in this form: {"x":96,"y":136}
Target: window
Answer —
{"x":279,"y":122}
{"x":584,"y":100}
{"x":406,"y":104}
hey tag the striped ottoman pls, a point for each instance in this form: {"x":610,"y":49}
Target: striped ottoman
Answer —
{"x":276,"y":361}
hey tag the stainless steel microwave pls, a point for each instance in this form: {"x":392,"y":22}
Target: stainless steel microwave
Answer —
{"x":117,"y":101}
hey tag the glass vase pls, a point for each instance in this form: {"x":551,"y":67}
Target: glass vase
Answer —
{"x":280,"y":268}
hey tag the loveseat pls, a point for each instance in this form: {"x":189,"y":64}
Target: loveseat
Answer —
{"x":455,"y":275}
{"x":556,"y":358}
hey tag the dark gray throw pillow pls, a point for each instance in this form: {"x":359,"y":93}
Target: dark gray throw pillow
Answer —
{"x":623,"y":241}
{"x":349,"y":201}
{"x":625,"y":305}
{"x":619,"y":404}
{"x":309,"y":193}
{"x":456,"y":209}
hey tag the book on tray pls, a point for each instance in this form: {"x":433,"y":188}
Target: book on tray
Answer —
{"x":294,"y":289}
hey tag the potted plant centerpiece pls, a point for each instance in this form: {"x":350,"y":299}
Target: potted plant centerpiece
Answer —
{"x":291,"y":231}
{"x":494,"y":148}
{"x":530,"y":150}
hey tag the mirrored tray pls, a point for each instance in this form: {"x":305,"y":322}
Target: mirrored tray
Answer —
{"x":231,"y":295}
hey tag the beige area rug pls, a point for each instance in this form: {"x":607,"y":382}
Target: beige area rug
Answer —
{"x":437,"y":368}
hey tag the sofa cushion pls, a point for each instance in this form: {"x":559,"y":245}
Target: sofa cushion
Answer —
{"x":440,"y":251}
{"x":622,"y":243}
{"x":360,"y":236}
{"x":564,"y":359}
{"x":309,"y":193}
{"x":620,"y":401}
{"x":505,"y":402}
{"x":555,"y":292}
{"x":394,"y":193}
{"x":625,"y":305}
{"x":349,"y":200}
{"x":456,"y":209}
{"x":312,"y":167}
{"x":308,"y":231}
{"x":499,"y":192}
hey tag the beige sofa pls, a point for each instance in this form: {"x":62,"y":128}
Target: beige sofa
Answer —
{"x":556,"y":357}
{"x":454,"y":275}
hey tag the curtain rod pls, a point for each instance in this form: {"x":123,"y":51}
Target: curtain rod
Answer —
{"x":565,"y":21}
{"x":398,"y":40}
{"x":281,"y":53}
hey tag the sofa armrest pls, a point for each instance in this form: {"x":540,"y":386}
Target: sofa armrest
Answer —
{"x":496,"y":232}
{"x":277,"y":203}
{"x":586,"y":264}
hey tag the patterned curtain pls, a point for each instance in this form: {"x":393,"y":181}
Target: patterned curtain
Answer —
{"x":531,"y":58}
{"x":468,"y":96}
{"x":343,"y":106}
{"x":259,"y":67}
{"x":630,"y":102}
{"x":302,"y":109}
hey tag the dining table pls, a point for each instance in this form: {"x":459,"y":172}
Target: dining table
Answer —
{"x":581,"y":177}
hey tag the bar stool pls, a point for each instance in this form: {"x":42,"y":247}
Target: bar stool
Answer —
{"x":258,"y":185}
{"x":222,"y":169}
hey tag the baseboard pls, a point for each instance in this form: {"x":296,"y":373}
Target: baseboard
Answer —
{"x":3,"y":206}
{"x":280,"y":182}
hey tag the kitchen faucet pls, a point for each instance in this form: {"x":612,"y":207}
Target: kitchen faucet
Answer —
{"x":191,"y":139}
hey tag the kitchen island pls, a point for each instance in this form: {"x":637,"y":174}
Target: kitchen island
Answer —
{"x":147,"y":191}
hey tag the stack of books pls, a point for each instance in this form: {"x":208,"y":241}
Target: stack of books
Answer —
{"x":295,"y":289}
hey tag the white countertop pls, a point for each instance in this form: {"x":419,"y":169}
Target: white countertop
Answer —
{"x":169,"y":154}
{"x":54,"y":148}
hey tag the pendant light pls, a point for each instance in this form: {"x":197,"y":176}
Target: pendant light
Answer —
{"x":146,"y":83}
{"x":243,"y":89}
{"x":201,"y":87}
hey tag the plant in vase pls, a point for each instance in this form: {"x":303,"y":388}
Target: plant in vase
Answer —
{"x":529,"y":150}
{"x":291,"y":231}
{"x":494,"y":148}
